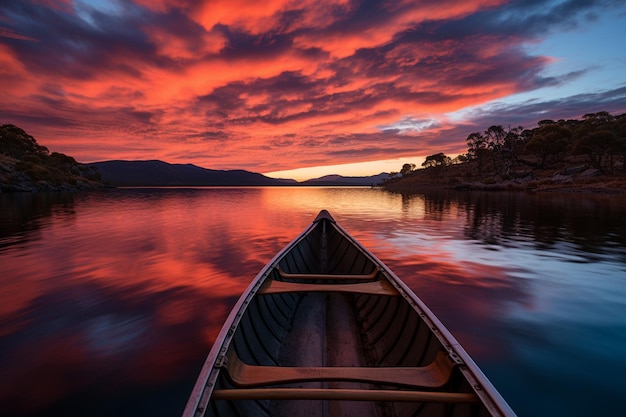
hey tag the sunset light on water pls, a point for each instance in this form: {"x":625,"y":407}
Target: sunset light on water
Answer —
{"x":104,"y":306}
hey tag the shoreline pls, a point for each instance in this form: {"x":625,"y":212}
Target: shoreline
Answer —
{"x":603,"y":184}
{"x":574,"y":175}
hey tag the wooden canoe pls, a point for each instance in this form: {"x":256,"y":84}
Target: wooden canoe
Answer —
{"x":326,"y":329}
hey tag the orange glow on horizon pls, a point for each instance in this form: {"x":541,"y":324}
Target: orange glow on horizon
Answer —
{"x":356,"y":169}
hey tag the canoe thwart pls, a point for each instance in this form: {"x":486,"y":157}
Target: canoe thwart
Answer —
{"x":434,"y":375}
{"x":343,"y":394}
{"x":375,"y":287}
{"x":289,"y":275}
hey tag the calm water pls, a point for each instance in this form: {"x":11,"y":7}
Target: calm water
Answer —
{"x":109,"y":302}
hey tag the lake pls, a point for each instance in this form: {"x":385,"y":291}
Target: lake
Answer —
{"x":109,"y":301}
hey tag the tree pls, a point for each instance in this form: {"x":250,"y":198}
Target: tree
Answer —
{"x":407,"y":169}
{"x":598,"y":136}
{"x":460,"y":159}
{"x":475,"y":141}
{"x":481,"y":157}
{"x":545,"y":122}
{"x":620,"y":131}
{"x":495,"y":137}
{"x":601,"y":118}
{"x":17,"y":143}
{"x":513,"y":143}
{"x":596,"y":145}
{"x":550,"y":141}
{"x":437,"y":160}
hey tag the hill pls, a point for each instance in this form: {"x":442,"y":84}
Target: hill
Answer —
{"x":26,"y":165}
{"x":572,"y":175}
{"x":338,"y":180}
{"x":564,"y":155}
{"x":159,"y":173}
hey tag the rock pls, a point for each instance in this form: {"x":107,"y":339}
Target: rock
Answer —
{"x":463,"y":186}
{"x":574,"y":170}
{"x":591,"y":172}
{"x":561,"y":178}
{"x":523,"y":175}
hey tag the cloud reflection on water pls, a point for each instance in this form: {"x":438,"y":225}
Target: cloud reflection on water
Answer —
{"x":108,"y":296}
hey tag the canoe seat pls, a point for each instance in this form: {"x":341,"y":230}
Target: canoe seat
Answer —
{"x":375,"y":287}
{"x":433,"y":375}
{"x":289,"y":275}
{"x":343,"y":394}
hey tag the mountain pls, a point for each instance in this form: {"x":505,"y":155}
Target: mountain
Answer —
{"x":338,"y":180}
{"x":159,"y":173}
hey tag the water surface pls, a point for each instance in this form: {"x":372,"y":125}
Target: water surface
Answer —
{"x":109,"y":302}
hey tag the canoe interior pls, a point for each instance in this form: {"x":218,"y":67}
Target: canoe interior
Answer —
{"x":335,"y":329}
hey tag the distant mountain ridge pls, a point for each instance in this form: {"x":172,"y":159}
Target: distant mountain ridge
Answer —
{"x":158,"y":173}
{"x":341,"y":180}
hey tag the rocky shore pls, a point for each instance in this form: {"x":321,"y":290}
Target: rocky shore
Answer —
{"x":26,"y":166}
{"x":575,"y":177}
{"x":13,"y":179}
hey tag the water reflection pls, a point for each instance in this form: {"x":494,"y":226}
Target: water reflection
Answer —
{"x":110,"y":301}
{"x":563,"y":314}
{"x":23,"y":214}
{"x":588,"y":223}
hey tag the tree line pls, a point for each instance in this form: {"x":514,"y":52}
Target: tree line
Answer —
{"x":599,"y":137}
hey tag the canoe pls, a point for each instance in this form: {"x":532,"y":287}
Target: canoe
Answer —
{"x":326,"y":329}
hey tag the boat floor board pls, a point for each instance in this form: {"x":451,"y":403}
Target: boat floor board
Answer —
{"x":344,"y":347}
{"x":324,"y":334}
{"x":304,"y":345}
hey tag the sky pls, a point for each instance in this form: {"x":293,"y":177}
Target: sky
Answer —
{"x":301,"y":88}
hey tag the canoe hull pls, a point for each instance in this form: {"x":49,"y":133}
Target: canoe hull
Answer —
{"x":327,"y":329}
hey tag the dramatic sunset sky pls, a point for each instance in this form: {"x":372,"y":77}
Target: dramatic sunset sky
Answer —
{"x":276,"y":85}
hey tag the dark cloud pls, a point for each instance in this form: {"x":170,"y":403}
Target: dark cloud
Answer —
{"x":526,"y":114}
{"x":530,"y":112}
{"x":245,"y":45}
{"x":525,"y":19}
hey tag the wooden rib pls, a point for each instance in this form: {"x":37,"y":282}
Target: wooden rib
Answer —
{"x":375,"y":287}
{"x":343,"y":394}
{"x":433,"y":375}
{"x":288,"y":275}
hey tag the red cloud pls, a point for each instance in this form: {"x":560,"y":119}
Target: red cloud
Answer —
{"x":278,"y":85}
